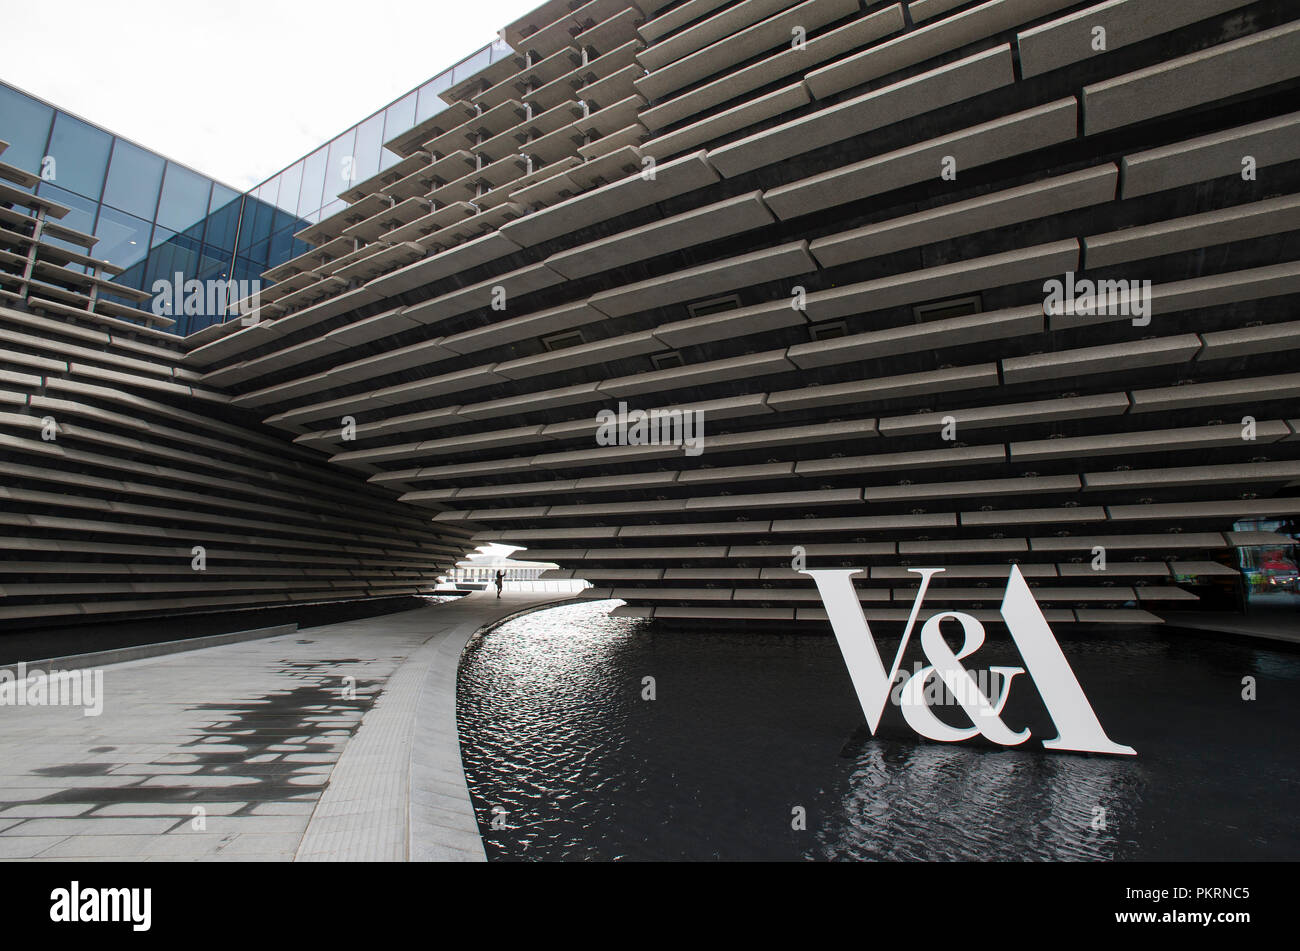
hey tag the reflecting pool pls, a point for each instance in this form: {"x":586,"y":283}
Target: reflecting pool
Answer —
{"x":567,"y":759}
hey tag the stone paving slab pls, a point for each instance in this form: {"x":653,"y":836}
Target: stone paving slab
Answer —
{"x":302,"y":746}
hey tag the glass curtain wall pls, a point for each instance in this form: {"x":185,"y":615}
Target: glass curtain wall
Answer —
{"x":157,"y":218}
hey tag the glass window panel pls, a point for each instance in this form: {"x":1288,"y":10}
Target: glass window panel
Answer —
{"x":132,"y":277}
{"x":467,"y":68}
{"x":370,"y":135}
{"x":280,"y":249}
{"x":429,"y":102}
{"x":161,"y":236}
{"x":80,"y":153}
{"x":134,"y":179}
{"x":180,"y":247}
{"x":185,"y":198}
{"x":80,"y":218}
{"x":257,"y":255}
{"x":26,"y":125}
{"x":214,"y":262}
{"x":123,"y":238}
{"x":334,"y":207}
{"x":268,"y":191}
{"x":82,"y":215}
{"x":341,"y":169}
{"x":222,"y":224}
{"x":290,"y":185}
{"x":259,"y":215}
{"x":400,"y":116}
{"x":256,"y":223}
{"x":246,"y":270}
{"x":286,"y":222}
{"x":179,"y":254}
{"x":313,"y":181}
{"x":222,"y":196}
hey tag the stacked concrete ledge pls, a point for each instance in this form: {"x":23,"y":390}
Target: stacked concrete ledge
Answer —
{"x":840,"y":234}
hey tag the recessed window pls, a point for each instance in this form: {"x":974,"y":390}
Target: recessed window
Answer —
{"x":941,"y":310}
{"x":666,"y":361}
{"x":713,"y":305}
{"x":562,"y":341}
{"x":828,"y":331}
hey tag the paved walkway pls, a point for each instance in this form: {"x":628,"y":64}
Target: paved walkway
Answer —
{"x":333,"y":743}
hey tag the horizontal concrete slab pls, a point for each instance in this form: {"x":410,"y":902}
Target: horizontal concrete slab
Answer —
{"x":948,"y":84}
{"x":1252,"y":62}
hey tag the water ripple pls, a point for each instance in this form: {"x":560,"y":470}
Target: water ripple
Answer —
{"x":746,"y":727}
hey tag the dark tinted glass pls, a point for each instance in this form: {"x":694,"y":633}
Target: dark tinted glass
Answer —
{"x":222,"y":223}
{"x":176,"y":252}
{"x":246,"y":270}
{"x":256,"y":257}
{"x":123,"y":238}
{"x":286,"y":222}
{"x":281,"y":248}
{"x":259,"y":214}
{"x":80,"y":154}
{"x":213,"y":263}
{"x":179,"y":254}
{"x":134,"y":179}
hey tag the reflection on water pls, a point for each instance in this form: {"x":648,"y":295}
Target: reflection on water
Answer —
{"x":746,"y":728}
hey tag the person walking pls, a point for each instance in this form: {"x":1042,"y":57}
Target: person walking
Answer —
{"x":501,"y":580}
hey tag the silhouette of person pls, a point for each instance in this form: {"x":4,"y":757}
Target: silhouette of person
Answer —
{"x":501,"y":579}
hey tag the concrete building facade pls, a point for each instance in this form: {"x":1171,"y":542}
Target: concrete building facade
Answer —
{"x":931,"y":284}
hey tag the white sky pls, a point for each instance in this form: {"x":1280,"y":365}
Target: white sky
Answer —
{"x":238,"y":89}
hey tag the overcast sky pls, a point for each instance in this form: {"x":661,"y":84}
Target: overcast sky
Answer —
{"x":238,"y":89}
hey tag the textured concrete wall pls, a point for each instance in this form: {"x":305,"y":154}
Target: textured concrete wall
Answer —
{"x":838,"y":249}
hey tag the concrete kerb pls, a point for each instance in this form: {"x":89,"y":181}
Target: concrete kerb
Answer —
{"x":122,"y":655}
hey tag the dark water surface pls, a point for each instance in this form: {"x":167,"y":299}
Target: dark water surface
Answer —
{"x":745,"y":727}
